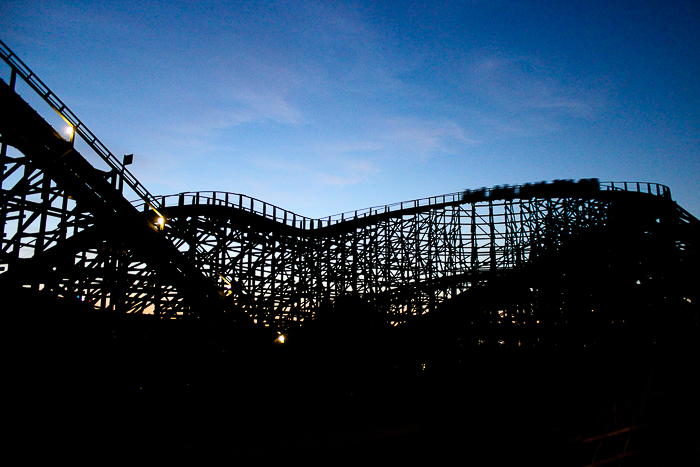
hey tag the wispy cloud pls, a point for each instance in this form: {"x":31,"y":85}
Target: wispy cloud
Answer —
{"x":261,"y":106}
{"x":523,"y":96}
{"x":426,"y":137}
{"x":342,"y":175}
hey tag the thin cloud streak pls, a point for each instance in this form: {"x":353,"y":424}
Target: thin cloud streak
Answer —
{"x":424,"y":138}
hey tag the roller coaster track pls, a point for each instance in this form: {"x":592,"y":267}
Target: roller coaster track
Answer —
{"x":61,"y":213}
{"x":69,"y":230}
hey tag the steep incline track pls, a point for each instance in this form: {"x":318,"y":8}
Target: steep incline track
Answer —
{"x":52,"y":175}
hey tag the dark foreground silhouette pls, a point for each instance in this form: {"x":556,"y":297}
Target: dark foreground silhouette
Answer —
{"x":92,"y":388}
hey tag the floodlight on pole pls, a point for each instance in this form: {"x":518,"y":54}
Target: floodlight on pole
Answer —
{"x":70,"y":132}
{"x":127,"y":160}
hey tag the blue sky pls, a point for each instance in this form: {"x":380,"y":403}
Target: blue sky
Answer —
{"x":322,"y":107}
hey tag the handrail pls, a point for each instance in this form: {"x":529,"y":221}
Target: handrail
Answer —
{"x":234,"y":200}
{"x":21,"y":69}
{"x":289,"y":218}
{"x":655,"y":189}
{"x":273,"y":212}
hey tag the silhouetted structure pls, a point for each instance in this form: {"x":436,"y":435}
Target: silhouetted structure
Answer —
{"x":69,"y":230}
{"x":487,"y":268}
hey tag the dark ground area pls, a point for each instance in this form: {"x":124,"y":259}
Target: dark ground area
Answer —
{"x":90,"y":389}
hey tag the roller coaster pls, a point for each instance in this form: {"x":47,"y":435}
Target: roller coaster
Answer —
{"x":162,"y":311}
{"x":70,"y":231}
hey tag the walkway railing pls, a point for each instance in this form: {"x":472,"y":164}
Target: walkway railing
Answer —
{"x":655,"y":189}
{"x":289,"y":218}
{"x":283,"y":216}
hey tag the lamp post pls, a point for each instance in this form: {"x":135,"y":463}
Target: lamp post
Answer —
{"x":128,"y":160}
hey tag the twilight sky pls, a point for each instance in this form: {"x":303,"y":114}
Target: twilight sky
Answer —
{"x":321,"y":107}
